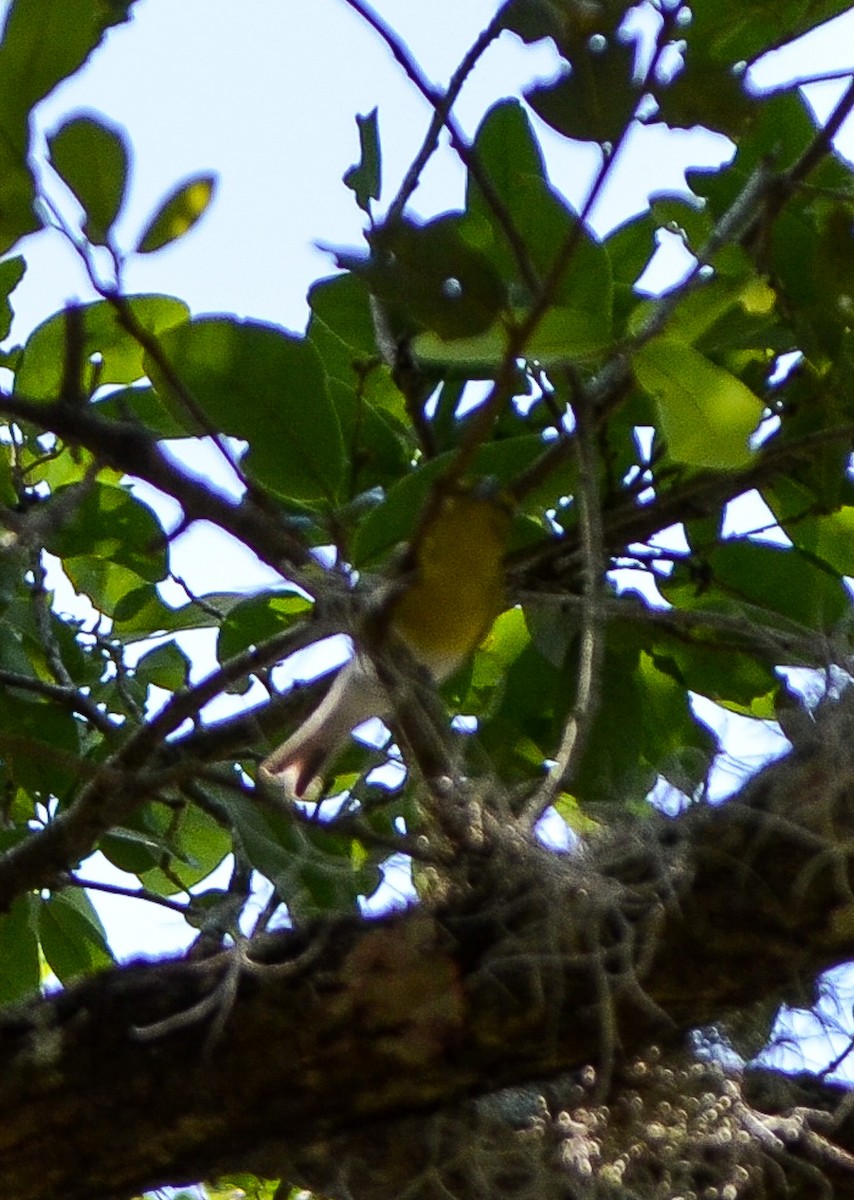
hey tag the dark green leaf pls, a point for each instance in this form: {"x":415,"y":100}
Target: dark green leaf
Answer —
{"x":707,"y":94}
{"x":433,"y":276}
{"x":597,"y":100}
{"x":365,"y":179}
{"x":256,"y":382}
{"x":570,"y":23}
{"x":557,"y":247}
{"x":732,"y":32}
{"x":40,"y":745}
{"x":11,"y":274}
{"x":71,"y":935}
{"x":92,"y":158}
{"x":44,"y":41}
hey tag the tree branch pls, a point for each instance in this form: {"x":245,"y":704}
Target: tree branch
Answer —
{"x":421,"y":1009}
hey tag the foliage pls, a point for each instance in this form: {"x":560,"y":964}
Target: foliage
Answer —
{"x":620,"y":426}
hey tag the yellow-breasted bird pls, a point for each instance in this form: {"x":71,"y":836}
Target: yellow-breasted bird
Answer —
{"x":441,"y":609}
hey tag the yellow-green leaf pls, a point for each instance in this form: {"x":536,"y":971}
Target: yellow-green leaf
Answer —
{"x":707,"y":415}
{"x":178,"y":213}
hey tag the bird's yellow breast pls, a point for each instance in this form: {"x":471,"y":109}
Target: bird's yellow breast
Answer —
{"x":458,"y":588}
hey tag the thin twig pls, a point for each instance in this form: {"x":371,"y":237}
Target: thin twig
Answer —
{"x":583,"y":711}
{"x":68,"y":697}
{"x":794,"y":645}
{"x":115,"y":889}
{"x":436,"y":99}
{"x":440,"y":114}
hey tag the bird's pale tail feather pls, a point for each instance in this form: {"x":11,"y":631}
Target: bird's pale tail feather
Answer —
{"x":300,"y":763}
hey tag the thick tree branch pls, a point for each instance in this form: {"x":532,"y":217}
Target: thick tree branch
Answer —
{"x":130,"y":448}
{"x":356,"y":1024}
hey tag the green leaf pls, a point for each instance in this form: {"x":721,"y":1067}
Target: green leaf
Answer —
{"x":71,"y":935}
{"x":119,"y":357}
{"x":314,"y":868}
{"x":154,"y":617}
{"x":827,"y":536}
{"x":696,"y":314}
{"x":44,"y":41}
{"x":369,"y":406}
{"x":165,"y":666}
{"x":92,"y":158}
{"x":563,"y":335}
{"x":762,"y":581}
{"x":253,"y":620}
{"x":433,"y":276}
{"x":19,"y":951}
{"x":569,"y":22}
{"x":194,"y":846}
{"x":142,"y":404}
{"x":706,"y":93}
{"x":39,"y":744}
{"x":110,"y":586}
{"x":132,"y":847}
{"x":713,"y":665}
{"x":364,"y":179}
{"x":256,"y":382}
{"x":597,"y":100}
{"x":507,"y":151}
{"x":707,"y":415}
{"x":731,"y":32}
{"x":11,"y":273}
{"x":111,"y":525}
{"x":656,"y":728}
{"x":177,"y":214}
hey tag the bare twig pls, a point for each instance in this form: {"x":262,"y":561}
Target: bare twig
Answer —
{"x":437,"y":100}
{"x":441,"y":112}
{"x":140,"y":893}
{"x":583,"y":711}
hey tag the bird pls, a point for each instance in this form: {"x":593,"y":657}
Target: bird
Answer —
{"x":441,"y":607}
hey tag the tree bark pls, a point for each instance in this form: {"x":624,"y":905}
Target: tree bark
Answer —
{"x":167,"y":1072}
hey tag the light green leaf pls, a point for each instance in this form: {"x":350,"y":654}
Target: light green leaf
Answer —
{"x":119,"y":355}
{"x":707,"y":415}
{"x":177,"y":214}
{"x":19,"y":951}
